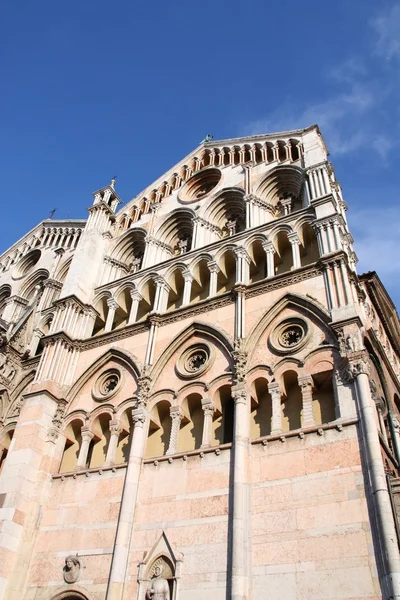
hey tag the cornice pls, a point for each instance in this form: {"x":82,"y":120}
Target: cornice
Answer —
{"x":283,"y":281}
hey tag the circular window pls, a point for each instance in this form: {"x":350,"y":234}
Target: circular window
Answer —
{"x":201,"y":184}
{"x":289,"y":336}
{"x":194,"y":361}
{"x":107,"y":385}
{"x":26,"y":263}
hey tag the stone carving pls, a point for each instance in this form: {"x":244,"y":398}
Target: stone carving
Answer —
{"x":144,"y":385}
{"x":239,"y":356}
{"x":158,"y":587}
{"x":7,"y":368}
{"x":72,"y":569}
{"x":291,"y":336}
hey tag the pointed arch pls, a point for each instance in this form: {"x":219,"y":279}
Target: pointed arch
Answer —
{"x":128,"y":360}
{"x":36,"y":278}
{"x":129,"y":245}
{"x":298,"y":303}
{"x":215,"y":334}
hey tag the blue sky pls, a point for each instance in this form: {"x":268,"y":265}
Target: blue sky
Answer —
{"x":93,"y":88}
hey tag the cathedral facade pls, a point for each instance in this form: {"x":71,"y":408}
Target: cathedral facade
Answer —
{"x":199,"y":395}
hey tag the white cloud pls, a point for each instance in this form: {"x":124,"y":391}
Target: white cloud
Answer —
{"x":338,"y":118}
{"x":387,"y":26}
{"x":376,"y":232}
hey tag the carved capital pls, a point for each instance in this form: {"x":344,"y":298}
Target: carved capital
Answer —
{"x":138,"y":417}
{"x":240,"y":395}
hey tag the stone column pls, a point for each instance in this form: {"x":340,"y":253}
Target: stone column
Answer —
{"x":154,"y":323}
{"x":136,"y":298}
{"x":214,"y":270}
{"x":87,"y":437}
{"x":112,"y":307}
{"x":295,"y":242}
{"x":390,"y":579}
{"x":269,"y":252}
{"x":276,"y":421}
{"x":242,"y":265}
{"x":188,"y":277}
{"x":208,"y":410}
{"x":240,"y":451}
{"x":115,"y":430}
{"x":161,"y":296}
{"x":176,"y":416}
{"x":118,"y":573}
{"x":306,"y":385}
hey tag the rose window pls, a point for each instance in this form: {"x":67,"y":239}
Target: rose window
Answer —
{"x":107,"y":385}
{"x":291,"y":336}
{"x":194,"y":361}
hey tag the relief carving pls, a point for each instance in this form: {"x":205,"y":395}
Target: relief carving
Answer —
{"x":72,"y":569}
{"x":158,"y":587}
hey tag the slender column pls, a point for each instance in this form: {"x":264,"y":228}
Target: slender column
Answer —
{"x":328,"y":287}
{"x":295,"y":242}
{"x":208,"y":410}
{"x":188,"y":277}
{"x":214,"y":270}
{"x":321,"y":182}
{"x":336,"y":234}
{"x":136,"y":298}
{"x":312,"y":187}
{"x":346,"y":285}
{"x":269,"y":252}
{"x":154,"y":323}
{"x":390,"y":579}
{"x":115,"y":430}
{"x":330,"y":236}
{"x":119,"y":565}
{"x":242,"y":265}
{"x":276,"y":421}
{"x":240,"y":541}
{"x":306,"y":385}
{"x":112,"y":307}
{"x":87,"y":437}
{"x":339,"y":287}
{"x":176,"y":416}
{"x":240,"y":312}
{"x":161,"y":296}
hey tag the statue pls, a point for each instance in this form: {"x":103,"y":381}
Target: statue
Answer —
{"x":72,"y":569}
{"x":158,"y":587}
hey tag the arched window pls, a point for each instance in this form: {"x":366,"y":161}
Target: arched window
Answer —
{"x":261,"y":409}
{"x":175,"y":295}
{"x":5,"y":293}
{"x":323,"y":398}
{"x":258,"y":267}
{"x":159,"y":430}
{"x":283,"y":257}
{"x":227,"y":273}
{"x":5,"y":446}
{"x":222,"y":426}
{"x":73,"y":441}
{"x":291,"y":402}
{"x":146,"y":304}
{"x":309,"y":246}
{"x":191,"y":432}
{"x":102,"y":308}
{"x":201,"y":283}
{"x":99,"y":444}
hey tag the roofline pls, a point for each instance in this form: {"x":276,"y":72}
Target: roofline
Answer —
{"x":46,"y":222}
{"x":212,"y":143}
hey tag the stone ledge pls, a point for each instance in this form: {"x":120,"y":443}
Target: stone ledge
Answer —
{"x":88,"y":472}
{"x":319,"y":429}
